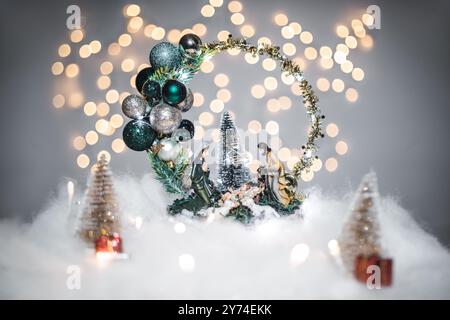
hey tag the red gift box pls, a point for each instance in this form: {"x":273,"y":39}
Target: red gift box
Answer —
{"x":362,"y":271}
{"x":111,"y":243}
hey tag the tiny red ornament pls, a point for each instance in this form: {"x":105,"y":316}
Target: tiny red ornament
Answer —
{"x":109,"y":243}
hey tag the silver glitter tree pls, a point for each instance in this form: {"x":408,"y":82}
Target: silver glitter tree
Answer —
{"x":232,"y":170}
{"x":100,"y":216}
{"x":360,"y":234}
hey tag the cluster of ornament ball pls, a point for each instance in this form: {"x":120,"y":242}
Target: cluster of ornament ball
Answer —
{"x":157,"y":113}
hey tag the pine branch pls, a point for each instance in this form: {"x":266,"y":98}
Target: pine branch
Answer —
{"x":171,"y":178}
{"x":189,"y":67}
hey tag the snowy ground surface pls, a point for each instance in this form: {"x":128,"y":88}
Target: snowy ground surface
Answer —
{"x":181,"y":258}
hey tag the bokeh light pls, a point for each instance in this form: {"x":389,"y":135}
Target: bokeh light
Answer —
{"x":234,"y":6}
{"x":76,"y":99}
{"x":58,"y":101}
{"x":57,"y":68}
{"x":79,"y":143}
{"x":341,"y":148}
{"x":287,"y":32}
{"x":85,"y":51}
{"x":90,"y":108}
{"x":269,"y":64}
{"x":106,"y":68}
{"x":216,"y":106}
{"x":125,"y":40}
{"x":306,"y":37}
{"x":332,"y":130}
{"x":207,"y":66}
{"x":342,"y":31}
{"x":273,"y":105}
{"x":132,"y":10}
{"x":113,"y":49}
{"x":237,"y":18}
{"x":254,"y":126}
{"x":351,"y":95}
{"x":207,"y":11}
{"x":83,"y":161}
{"x":270,"y":83}
{"x":206,"y":118}
{"x":310,"y":53}
{"x":338,"y":85}
{"x":221,"y":80}
{"x":199,"y":29}
{"x":91,"y":137}
{"x":102,"y":109}
{"x":64,"y":50}
{"x":272,"y":127}
{"x":281,"y":19}
{"x":358,"y":74}
{"x":247,"y":31}
{"x":72,"y":70}
{"x":296,"y":27}
{"x":289,"y":49}
{"x":112,"y":96}
{"x":103,"y":82}
{"x":331,"y":164}
{"x":323,"y":84}
{"x":158,"y":33}
{"x":198,"y":99}
{"x":224,"y":95}
{"x":285,"y":102}
{"x":128,"y":65}
{"x":76,"y":36}
{"x":258,"y":91}
{"x":116,"y":121}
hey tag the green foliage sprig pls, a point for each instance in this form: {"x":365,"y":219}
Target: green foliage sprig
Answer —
{"x":170,"y":176}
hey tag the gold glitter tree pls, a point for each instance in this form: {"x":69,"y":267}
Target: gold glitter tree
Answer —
{"x":360,"y":234}
{"x":100,"y":215}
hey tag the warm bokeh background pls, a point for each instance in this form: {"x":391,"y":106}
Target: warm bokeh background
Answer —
{"x":398,"y":125}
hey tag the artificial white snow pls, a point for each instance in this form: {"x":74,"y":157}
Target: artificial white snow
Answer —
{"x":212,"y":258}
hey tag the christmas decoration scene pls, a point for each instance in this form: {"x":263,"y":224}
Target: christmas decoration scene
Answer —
{"x":207,"y":160}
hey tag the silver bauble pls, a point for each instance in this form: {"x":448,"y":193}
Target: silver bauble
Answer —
{"x":181,"y":134}
{"x":164,"y":118}
{"x":187,"y":103}
{"x":170,"y":149}
{"x":135,"y":107}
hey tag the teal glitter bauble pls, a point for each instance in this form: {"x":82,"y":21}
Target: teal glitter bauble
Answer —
{"x":138,"y":135}
{"x":151,"y":90}
{"x":165,"y":54}
{"x":173,"y":92}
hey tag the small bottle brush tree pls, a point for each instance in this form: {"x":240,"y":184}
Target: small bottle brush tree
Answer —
{"x":232,"y":171}
{"x":360,"y":234}
{"x":100,"y":216}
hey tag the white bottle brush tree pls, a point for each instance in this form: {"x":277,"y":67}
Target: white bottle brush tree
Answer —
{"x":360,"y":234}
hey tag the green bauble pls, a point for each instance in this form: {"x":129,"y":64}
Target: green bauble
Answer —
{"x":174,"y":92}
{"x":165,"y":54}
{"x":151,"y":90}
{"x":142,"y":77}
{"x":138,"y":135}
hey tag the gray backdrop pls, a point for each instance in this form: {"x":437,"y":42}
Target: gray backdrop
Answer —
{"x":399,"y":126}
